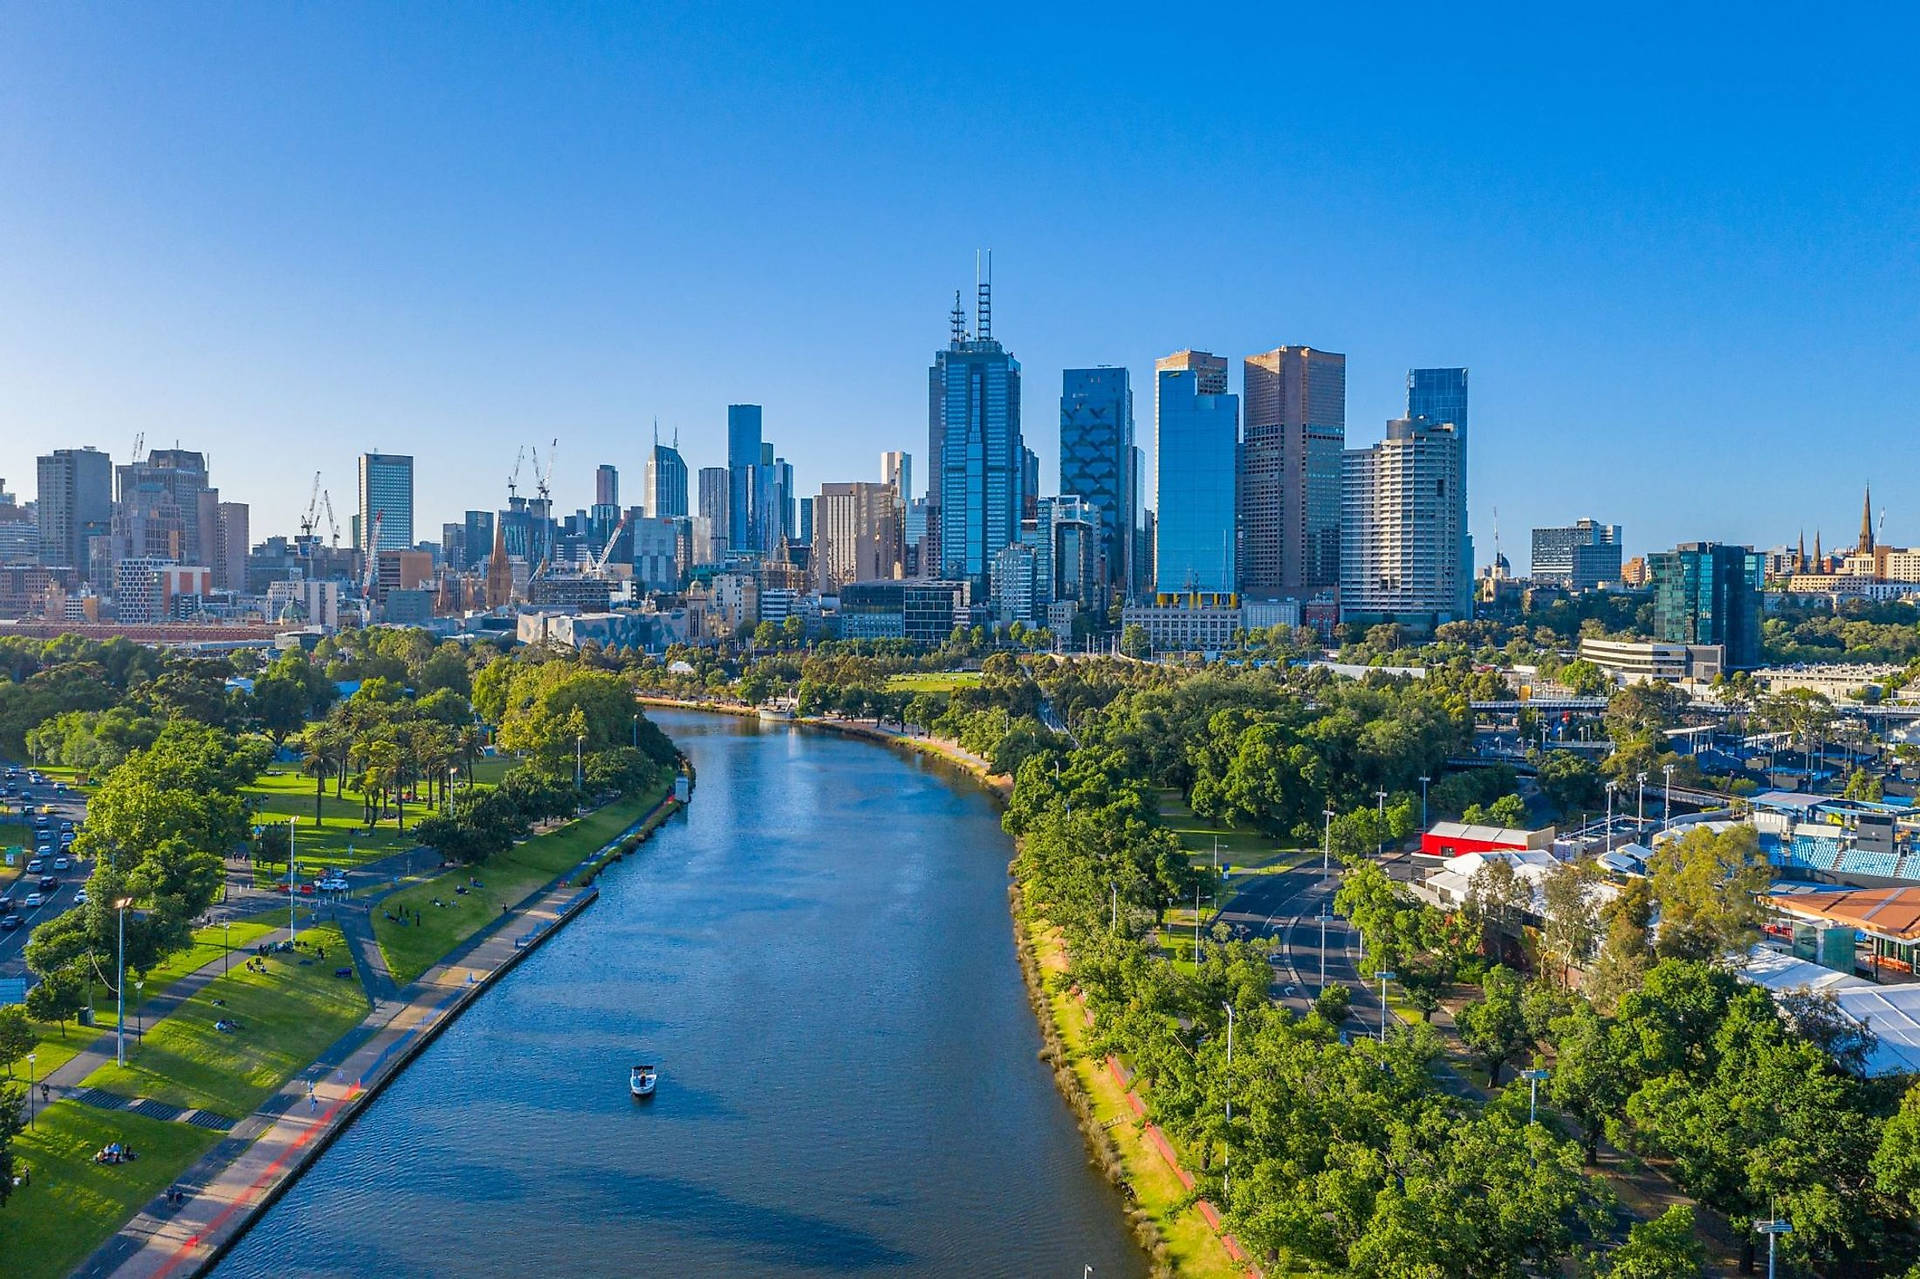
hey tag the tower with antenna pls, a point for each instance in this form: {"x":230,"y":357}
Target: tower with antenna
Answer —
{"x":976,"y":455}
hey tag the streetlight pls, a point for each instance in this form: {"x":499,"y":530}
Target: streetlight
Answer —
{"x":1226,"y":1168}
{"x":636,"y":730}
{"x":1772,"y":1230}
{"x":1385,"y":977}
{"x":579,"y":744}
{"x":293,"y":919}
{"x":32,"y":1110}
{"x":1610,"y":788}
{"x":1640,"y":803}
{"x":139,"y":1012}
{"x":1423,"y":802}
{"x":1380,"y":827}
{"x":226,"y":940}
{"x":1666,"y":812}
{"x":120,"y":989}
{"x":1326,"y":846}
{"x":1533,"y":1078}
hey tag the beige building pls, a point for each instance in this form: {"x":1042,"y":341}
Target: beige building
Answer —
{"x":856,"y":534}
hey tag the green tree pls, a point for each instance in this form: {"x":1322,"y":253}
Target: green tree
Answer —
{"x":279,"y":706}
{"x":1626,"y":946}
{"x":1896,"y":1164}
{"x":1134,"y":642}
{"x":1664,"y":1248}
{"x":16,"y":1036}
{"x":11,"y":1123}
{"x":56,"y":997}
{"x":1591,"y":1078}
{"x":1708,"y":884}
{"x":1495,"y":1025}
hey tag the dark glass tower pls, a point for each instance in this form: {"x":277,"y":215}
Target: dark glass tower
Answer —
{"x":974,"y":442}
{"x":1096,"y":463}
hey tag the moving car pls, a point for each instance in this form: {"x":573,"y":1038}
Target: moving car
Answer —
{"x":80,"y":898}
{"x":34,"y":900}
{"x":63,"y":862}
{"x":9,"y":922}
{"x":35,"y":866}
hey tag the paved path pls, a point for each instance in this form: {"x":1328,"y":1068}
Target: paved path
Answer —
{"x":229,"y":1183}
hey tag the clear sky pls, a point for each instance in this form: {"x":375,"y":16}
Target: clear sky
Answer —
{"x":1678,"y":253}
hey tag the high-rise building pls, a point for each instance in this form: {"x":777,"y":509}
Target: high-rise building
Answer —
{"x":1579,"y":557}
{"x":386,"y":490}
{"x":743,"y":459}
{"x":896,"y":469}
{"x":606,"y":484}
{"x":1196,"y":427}
{"x":1289,"y":472}
{"x":856,"y":534}
{"x":477,"y":541}
{"x":666,"y":481}
{"x":1709,"y":593}
{"x":74,"y":505}
{"x":773,"y":508}
{"x":806,"y":522}
{"x":231,"y":541}
{"x":1399,"y":554}
{"x":164,"y":508}
{"x":977,"y":455}
{"x":1098,"y":463}
{"x":716,"y":502}
{"x":1440,"y":395}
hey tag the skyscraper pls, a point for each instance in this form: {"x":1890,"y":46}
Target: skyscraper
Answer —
{"x":666,"y":480}
{"x":75,"y":505}
{"x":478,"y":541}
{"x":896,"y":469}
{"x":743,"y":456}
{"x":1578,"y":557}
{"x":386,"y":490}
{"x":1097,"y":463}
{"x":606,"y":483}
{"x":1196,"y":440}
{"x":231,"y":541}
{"x":1400,"y":536}
{"x":164,"y":508}
{"x":1709,"y":593}
{"x":1289,"y":471}
{"x":1440,"y":395}
{"x":716,"y":503}
{"x":856,"y":534}
{"x":974,"y":443}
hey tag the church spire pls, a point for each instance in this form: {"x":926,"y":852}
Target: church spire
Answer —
{"x":1866,"y":523}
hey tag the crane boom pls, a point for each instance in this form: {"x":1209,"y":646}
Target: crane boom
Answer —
{"x":373,"y":555}
{"x":513,"y":480}
{"x":597,"y":565}
{"x":333,"y":525}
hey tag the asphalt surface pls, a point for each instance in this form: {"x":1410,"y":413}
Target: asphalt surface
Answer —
{"x":69,"y":805}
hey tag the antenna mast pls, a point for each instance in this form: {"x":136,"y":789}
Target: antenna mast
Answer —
{"x":983,"y":306}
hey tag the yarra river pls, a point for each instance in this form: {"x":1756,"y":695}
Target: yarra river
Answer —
{"x":818,"y":956}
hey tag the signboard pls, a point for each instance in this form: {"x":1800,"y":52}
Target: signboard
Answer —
{"x":13,"y":990}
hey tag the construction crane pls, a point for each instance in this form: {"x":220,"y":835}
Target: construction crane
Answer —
{"x":311,"y":517}
{"x":333,"y":525}
{"x":543,"y":489}
{"x":513,"y":480}
{"x":139,"y":445}
{"x":596,"y":567}
{"x":373,"y":556}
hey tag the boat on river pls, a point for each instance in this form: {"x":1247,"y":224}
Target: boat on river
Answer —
{"x":641,"y":1082}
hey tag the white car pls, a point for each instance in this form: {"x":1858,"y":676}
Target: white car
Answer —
{"x":33,"y":900}
{"x":63,"y":862}
{"x":80,"y":898}
{"x":332,"y":884}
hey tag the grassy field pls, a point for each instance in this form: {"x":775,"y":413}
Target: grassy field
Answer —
{"x":341,"y":839}
{"x":1243,"y":849}
{"x":286,"y":1015}
{"x":411,"y":949}
{"x":73,"y":1204}
{"x":933,"y":681}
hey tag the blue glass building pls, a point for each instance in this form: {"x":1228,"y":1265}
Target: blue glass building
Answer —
{"x":1709,"y":593}
{"x":743,"y":458}
{"x":1440,"y":395}
{"x":1097,"y":462}
{"x":1196,"y":446}
{"x":978,"y":456}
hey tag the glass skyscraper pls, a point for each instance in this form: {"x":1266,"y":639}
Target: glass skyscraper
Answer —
{"x":976,"y":450}
{"x":1196,"y":445}
{"x":743,"y":459}
{"x":1096,"y":462}
{"x":386,"y":490}
{"x":1709,"y":593}
{"x":1440,"y":395}
{"x":665,"y":480}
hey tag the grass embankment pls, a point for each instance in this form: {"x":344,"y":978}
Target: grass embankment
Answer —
{"x":1175,"y":1235}
{"x":342,"y":837}
{"x":933,"y":681}
{"x":1244,"y":850}
{"x":287,"y":1016}
{"x":49,"y":1226}
{"x":505,"y":880}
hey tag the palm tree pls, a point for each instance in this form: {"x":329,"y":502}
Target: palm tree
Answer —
{"x":317,"y":766}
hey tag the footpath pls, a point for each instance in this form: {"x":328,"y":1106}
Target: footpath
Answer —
{"x":266,"y":1151}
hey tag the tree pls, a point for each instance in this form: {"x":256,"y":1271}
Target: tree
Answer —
{"x":1591,"y":1077}
{"x":1569,"y":782}
{"x":1333,"y":1003}
{"x":57,"y":997}
{"x":1663,"y":1248}
{"x":1896,"y":1164}
{"x":1495,"y":1025}
{"x":1134,"y":642}
{"x":1708,"y":884}
{"x":279,"y":706}
{"x":11,"y":1106}
{"x":1573,"y":919}
{"x":1626,"y":947}
{"x":16,"y":1036}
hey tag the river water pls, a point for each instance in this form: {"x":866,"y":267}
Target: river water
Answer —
{"x":818,"y":956}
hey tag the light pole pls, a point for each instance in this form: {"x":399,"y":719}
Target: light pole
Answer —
{"x":293,"y":918}
{"x":32,"y":1109}
{"x":1423,"y":802}
{"x":1196,"y":924}
{"x":1640,"y":804}
{"x":636,"y":730}
{"x":226,"y":941}
{"x":1610,"y":788}
{"x":1772,"y":1230}
{"x":1326,"y":846}
{"x":139,"y":1013}
{"x":1380,"y":826}
{"x":1533,"y":1078}
{"x":1226,"y":1169}
{"x":1113,"y":925}
{"x":1325,"y":908}
{"x":120,"y":989}
{"x":579,"y":744}
{"x":1666,"y":811}
{"x":1385,"y":977}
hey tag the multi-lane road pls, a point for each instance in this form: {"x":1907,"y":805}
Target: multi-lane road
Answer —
{"x":23,"y":806}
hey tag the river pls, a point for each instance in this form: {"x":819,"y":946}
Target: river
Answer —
{"x":818,"y":956}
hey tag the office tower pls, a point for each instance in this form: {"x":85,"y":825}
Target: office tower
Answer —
{"x":74,"y":505}
{"x":914,"y":538}
{"x":1399,"y":554}
{"x":231,"y":540}
{"x":1289,"y":473}
{"x":856,"y":534}
{"x":716,"y":503}
{"x":161,"y":509}
{"x":1579,"y":557}
{"x":666,"y":480}
{"x":386,"y":490}
{"x":606,"y":481}
{"x":974,"y":446}
{"x":477,"y":539}
{"x":1029,"y":481}
{"x":1064,"y":535}
{"x":1097,"y":463}
{"x":453,"y":546}
{"x":773,"y":507}
{"x":806,"y":521}
{"x":896,"y":469}
{"x":1440,"y":395}
{"x":1196,"y":427}
{"x":1709,"y":593}
{"x":743,"y":459}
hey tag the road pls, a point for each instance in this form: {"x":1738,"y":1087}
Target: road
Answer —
{"x":68,"y":805}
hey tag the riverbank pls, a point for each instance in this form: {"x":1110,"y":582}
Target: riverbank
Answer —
{"x":269,"y":1150}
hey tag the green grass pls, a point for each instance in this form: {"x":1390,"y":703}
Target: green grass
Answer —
{"x":411,"y":949}
{"x":341,"y":839}
{"x":74,"y":1204}
{"x":287,"y":1016}
{"x":489,"y":770}
{"x":933,"y":681}
{"x":1242,"y":849}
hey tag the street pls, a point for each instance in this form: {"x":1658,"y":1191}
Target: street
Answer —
{"x":23,"y":806}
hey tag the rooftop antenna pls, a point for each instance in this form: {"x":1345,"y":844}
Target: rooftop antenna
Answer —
{"x":656,"y":430}
{"x":983,"y":308}
{"x":958,"y":319}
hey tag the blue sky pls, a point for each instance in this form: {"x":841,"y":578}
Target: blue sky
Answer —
{"x":1678,"y":252}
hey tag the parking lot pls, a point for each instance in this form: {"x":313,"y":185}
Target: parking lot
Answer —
{"x":51,"y":814}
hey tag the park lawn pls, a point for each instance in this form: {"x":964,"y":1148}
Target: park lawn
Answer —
{"x":341,"y":838}
{"x":287,"y":1017}
{"x":16,"y":835}
{"x":933,"y":681}
{"x":505,"y":880}
{"x":491,"y":770}
{"x":74,"y":1204}
{"x":1242,"y":849}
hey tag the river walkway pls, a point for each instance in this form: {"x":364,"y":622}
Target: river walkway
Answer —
{"x":267,"y":1150}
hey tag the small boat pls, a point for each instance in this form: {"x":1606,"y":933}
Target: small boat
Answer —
{"x":776,"y":714}
{"x":642,"y":1081}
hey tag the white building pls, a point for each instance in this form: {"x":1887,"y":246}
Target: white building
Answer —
{"x":1400,"y":531}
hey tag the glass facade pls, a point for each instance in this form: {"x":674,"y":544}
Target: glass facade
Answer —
{"x":1440,"y":395}
{"x":1196,"y":443}
{"x":1289,"y":472}
{"x":975,"y":435}
{"x":743,"y":456}
{"x":1709,"y":593}
{"x":386,"y":490}
{"x":1096,"y":462}
{"x":666,"y":482}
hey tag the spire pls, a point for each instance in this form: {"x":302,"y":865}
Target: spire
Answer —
{"x":1800,"y":561}
{"x":958,"y":319}
{"x":1818,"y":559}
{"x":983,"y":306}
{"x":656,"y":430}
{"x":1866,"y":523}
